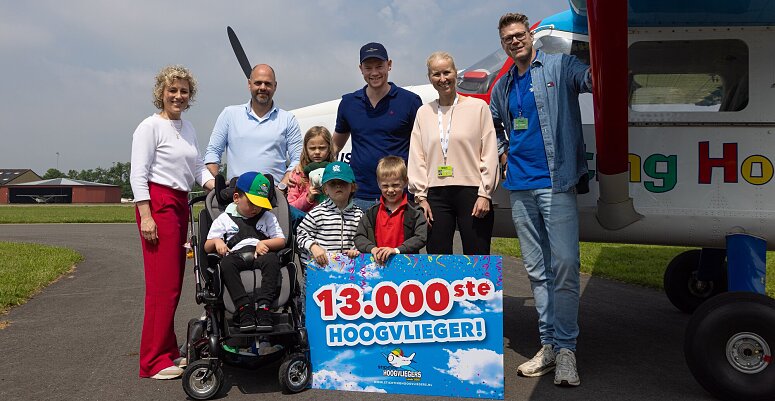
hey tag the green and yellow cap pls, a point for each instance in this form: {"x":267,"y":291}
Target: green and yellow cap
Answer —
{"x":256,"y":188}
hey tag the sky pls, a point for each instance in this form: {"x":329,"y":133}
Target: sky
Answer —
{"x":77,"y":76}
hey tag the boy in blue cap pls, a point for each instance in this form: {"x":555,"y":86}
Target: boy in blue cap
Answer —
{"x":247,"y":238}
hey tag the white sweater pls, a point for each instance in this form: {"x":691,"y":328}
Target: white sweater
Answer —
{"x":163,"y":156}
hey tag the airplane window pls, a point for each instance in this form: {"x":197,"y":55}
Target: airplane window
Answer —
{"x":688,"y":76}
{"x":478,"y":78}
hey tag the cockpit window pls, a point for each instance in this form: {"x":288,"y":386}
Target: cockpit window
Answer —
{"x":688,"y":76}
{"x":478,"y":78}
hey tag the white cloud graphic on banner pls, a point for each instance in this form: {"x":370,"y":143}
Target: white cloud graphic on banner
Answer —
{"x":496,"y":303}
{"x":476,"y":366}
{"x":470,"y":308}
{"x":330,"y":380}
{"x":335,"y":376}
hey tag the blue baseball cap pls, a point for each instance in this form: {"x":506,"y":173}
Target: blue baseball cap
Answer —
{"x":338,"y":171}
{"x":373,"y":50}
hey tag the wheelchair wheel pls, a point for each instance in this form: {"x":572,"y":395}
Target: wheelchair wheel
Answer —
{"x":200,"y":381}
{"x":295,"y":373}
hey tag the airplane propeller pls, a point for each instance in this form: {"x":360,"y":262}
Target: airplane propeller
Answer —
{"x":239,"y":52}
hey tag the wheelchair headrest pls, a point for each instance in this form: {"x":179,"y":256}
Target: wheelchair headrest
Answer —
{"x":225,"y":193}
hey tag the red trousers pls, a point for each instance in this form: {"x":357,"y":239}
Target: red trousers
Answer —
{"x":164,"y":267}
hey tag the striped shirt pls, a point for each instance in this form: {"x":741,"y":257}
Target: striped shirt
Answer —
{"x":329,"y":227}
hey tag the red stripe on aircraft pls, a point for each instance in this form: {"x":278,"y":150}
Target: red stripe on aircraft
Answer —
{"x":608,"y":39}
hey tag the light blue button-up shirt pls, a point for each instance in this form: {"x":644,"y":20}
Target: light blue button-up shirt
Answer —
{"x":558,"y":79}
{"x":270,"y":144}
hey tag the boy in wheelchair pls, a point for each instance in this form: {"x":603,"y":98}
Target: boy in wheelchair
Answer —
{"x":248,"y":238}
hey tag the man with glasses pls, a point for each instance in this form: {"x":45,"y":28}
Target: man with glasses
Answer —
{"x":536,"y":113}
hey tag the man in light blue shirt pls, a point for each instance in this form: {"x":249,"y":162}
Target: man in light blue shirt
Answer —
{"x":257,"y":136}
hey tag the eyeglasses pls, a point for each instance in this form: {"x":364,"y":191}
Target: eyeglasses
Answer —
{"x":520,"y":36}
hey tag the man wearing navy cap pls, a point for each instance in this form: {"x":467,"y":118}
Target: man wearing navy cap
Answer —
{"x":380,"y":117}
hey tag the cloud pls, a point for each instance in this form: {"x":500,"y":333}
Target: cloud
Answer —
{"x":476,"y":366}
{"x":470,"y":308}
{"x":495,"y":304}
{"x":331,"y":380}
{"x":81,"y":84}
{"x":336,"y":374}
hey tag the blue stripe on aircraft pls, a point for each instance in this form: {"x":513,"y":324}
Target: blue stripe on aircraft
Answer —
{"x":657,"y":13}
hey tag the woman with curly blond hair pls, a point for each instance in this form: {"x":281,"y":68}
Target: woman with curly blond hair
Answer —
{"x":165,"y":164}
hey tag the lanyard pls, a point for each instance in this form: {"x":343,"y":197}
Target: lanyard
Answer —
{"x":521,"y":93}
{"x":444,"y":136}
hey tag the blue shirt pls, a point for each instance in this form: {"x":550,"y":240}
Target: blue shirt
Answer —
{"x":376,"y":132}
{"x":558,"y":79}
{"x":253,"y":143}
{"x":527,"y":156}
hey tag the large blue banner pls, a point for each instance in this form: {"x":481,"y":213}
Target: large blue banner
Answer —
{"x":422,"y":324}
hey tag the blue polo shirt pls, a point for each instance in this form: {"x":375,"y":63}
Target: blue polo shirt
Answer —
{"x":376,"y":132}
{"x":527,"y":168}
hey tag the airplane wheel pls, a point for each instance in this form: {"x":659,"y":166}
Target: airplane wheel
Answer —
{"x":295,"y":373}
{"x":683,"y":289}
{"x":728,"y":346}
{"x":200,"y":381}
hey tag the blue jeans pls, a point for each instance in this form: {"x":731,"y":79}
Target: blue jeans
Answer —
{"x":296,"y":216}
{"x":365,"y":204}
{"x":548,"y":228}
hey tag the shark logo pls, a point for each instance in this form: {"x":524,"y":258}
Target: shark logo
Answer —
{"x":337,"y":168}
{"x":397,"y":359}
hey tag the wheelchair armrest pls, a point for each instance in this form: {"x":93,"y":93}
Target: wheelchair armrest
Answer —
{"x":213,"y":259}
{"x":285,"y":256}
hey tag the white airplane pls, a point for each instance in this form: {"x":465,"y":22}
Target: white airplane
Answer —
{"x":397,"y":359}
{"x":692,"y":83}
{"x":42,"y":198}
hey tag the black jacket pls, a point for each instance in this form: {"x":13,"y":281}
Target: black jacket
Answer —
{"x":415,"y":230}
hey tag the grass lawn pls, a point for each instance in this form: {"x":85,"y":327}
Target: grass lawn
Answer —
{"x":27,"y":268}
{"x":122,"y":213}
{"x":636,"y":264}
{"x":112,"y":213}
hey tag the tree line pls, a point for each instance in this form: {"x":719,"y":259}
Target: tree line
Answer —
{"x":118,"y":174}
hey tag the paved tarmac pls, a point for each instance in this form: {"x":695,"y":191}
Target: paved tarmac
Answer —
{"x":78,"y":339}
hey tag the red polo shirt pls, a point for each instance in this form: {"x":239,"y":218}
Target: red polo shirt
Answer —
{"x":389,"y":227}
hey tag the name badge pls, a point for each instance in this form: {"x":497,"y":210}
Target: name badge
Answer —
{"x":444,"y":171}
{"x":520,"y":123}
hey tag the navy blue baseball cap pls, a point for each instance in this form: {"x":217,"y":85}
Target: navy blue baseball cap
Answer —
{"x":373,"y":50}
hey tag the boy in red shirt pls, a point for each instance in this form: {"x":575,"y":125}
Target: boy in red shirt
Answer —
{"x":393,"y":225}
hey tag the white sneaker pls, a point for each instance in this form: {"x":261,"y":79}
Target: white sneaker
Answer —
{"x":181,"y":362}
{"x":566,"y":374}
{"x":541,"y":364}
{"x":172,"y":372}
{"x":265,"y":348}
